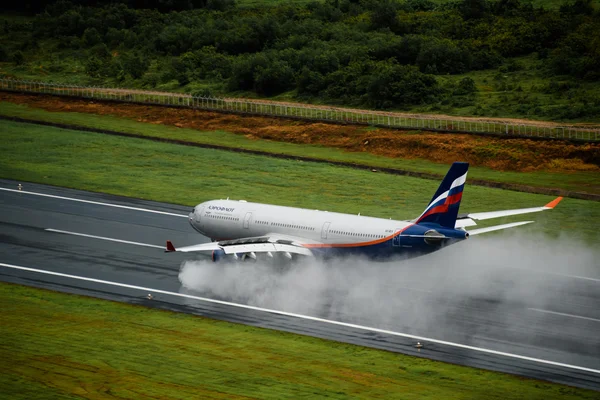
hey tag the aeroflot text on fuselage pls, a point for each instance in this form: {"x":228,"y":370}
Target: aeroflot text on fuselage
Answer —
{"x":219,"y":208}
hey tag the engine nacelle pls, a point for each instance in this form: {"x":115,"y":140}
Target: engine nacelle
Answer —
{"x":438,"y":236}
{"x":218,"y":255}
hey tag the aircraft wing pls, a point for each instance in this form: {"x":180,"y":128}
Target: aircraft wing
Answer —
{"x":469,"y":219}
{"x":270,"y":243}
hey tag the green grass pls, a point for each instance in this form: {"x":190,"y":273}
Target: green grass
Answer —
{"x":522,"y":92}
{"x":270,"y":3}
{"x":66,"y":346}
{"x":547,"y":4}
{"x":186,"y":175}
{"x":575,"y":181}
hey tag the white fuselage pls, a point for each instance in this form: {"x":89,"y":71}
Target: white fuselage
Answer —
{"x":229,"y":219}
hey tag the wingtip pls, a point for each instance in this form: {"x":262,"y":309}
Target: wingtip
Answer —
{"x":170,"y":246}
{"x":554,"y":202}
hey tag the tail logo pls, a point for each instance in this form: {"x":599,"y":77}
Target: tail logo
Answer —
{"x":444,"y":201}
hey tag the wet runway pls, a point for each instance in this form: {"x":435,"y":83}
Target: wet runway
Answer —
{"x":557,"y":340}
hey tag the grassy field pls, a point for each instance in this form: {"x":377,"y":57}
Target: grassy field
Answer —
{"x":574,"y":181}
{"x":521,"y":91}
{"x":521,"y":87}
{"x":524,"y":92}
{"x":185,"y":175}
{"x":547,"y":4}
{"x":66,"y":346}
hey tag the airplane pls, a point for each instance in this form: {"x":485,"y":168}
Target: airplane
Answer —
{"x":241,"y":230}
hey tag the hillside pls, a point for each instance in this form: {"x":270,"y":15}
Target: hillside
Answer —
{"x":497,"y":58}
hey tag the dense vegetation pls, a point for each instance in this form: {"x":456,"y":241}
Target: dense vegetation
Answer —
{"x":375,"y":53}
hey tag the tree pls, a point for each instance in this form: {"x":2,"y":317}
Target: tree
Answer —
{"x":466,"y":86}
{"x":443,"y":56}
{"x":578,"y":7}
{"x":135,"y":64}
{"x":393,"y":84}
{"x":275,"y":78}
{"x":94,"y":67}
{"x":91,"y":37}
{"x":310,"y":82}
{"x":244,"y":69}
{"x":384,"y":15}
{"x":3,"y":54}
{"x":18,"y":57}
{"x":473,"y":9}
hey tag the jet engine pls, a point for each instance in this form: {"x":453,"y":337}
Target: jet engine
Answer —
{"x":439,"y":235}
{"x":218,"y":255}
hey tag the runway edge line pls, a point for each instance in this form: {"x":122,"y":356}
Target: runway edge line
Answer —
{"x":306,"y":317}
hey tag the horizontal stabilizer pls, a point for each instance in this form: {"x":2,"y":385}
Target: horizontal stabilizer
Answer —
{"x":507,"y":213}
{"x":464,"y":222}
{"x":497,"y":227}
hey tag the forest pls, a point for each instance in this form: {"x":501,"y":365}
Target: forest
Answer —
{"x":495,"y":57}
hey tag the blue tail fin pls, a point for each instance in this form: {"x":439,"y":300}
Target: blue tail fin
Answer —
{"x":443,"y":208}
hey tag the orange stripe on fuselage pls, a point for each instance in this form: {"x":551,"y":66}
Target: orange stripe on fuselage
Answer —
{"x":359,"y":244}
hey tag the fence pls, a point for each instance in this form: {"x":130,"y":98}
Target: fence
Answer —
{"x":329,"y":114}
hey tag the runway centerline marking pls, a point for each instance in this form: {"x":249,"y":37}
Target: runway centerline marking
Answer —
{"x":305,"y":317}
{"x":185,"y":216}
{"x":565,"y":275}
{"x":563,"y":314}
{"x":94,"y":202}
{"x":104,"y":238}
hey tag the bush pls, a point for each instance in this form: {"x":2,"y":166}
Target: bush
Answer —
{"x":310,"y":82}
{"x":466,"y":86}
{"x":276,"y":78}
{"x":18,"y":57}
{"x":94,"y":67}
{"x":443,"y":56}
{"x":134,"y":65}
{"x":91,"y":37}
{"x":384,"y":15}
{"x":220,"y":5}
{"x":204,"y":92}
{"x":3,"y":54}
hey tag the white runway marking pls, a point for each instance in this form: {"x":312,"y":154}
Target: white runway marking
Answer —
{"x":94,"y":202}
{"x":104,"y":238}
{"x":563,"y":314}
{"x":185,"y":216}
{"x":306,"y":317}
{"x":566,"y":276}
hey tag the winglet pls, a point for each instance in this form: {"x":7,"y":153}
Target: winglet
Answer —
{"x":553,"y":203}
{"x":170,"y":247}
